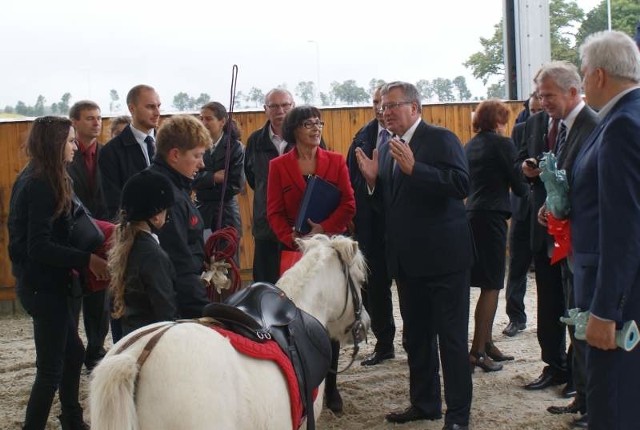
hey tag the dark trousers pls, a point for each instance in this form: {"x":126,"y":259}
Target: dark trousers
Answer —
{"x":376,"y":297}
{"x":59,"y":356}
{"x":266,"y":261}
{"x":95,"y":312}
{"x":576,"y":358}
{"x":435,"y":312}
{"x":520,"y":256}
{"x":551,"y":306}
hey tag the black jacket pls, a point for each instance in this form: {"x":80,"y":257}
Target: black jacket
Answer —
{"x":208,"y":193}
{"x":91,"y":197}
{"x":39,"y":248}
{"x":149,"y":294}
{"x":260,"y":151}
{"x":369,"y":222}
{"x":491,"y":159}
{"x":181,"y":237}
{"x":120,"y":159}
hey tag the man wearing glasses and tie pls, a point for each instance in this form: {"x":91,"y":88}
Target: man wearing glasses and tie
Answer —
{"x":369,"y":232}
{"x":421,"y":180}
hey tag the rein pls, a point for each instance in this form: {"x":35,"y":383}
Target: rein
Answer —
{"x":356,"y":327}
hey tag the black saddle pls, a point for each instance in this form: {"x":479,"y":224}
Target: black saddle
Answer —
{"x":263,"y":311}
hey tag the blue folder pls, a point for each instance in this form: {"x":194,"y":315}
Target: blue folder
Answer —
{"x":320,"y":199}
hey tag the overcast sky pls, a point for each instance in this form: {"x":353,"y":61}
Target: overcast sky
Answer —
{"x":88,"y":48}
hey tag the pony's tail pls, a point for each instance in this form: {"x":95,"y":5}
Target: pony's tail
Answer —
{"x":111,"y":395}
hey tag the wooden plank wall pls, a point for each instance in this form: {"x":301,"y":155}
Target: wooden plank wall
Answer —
{"x":341,"y":124}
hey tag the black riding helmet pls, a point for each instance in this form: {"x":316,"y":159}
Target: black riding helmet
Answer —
{"x":146,"y":194}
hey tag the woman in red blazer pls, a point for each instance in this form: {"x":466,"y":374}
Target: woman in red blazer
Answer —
{"x":288,"y":175}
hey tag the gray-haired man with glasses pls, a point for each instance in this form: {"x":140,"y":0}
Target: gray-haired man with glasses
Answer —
{"x":421,"y":178}
{"x":263,"y":145}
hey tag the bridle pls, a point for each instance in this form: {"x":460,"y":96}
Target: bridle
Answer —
{"x":357,"y":328}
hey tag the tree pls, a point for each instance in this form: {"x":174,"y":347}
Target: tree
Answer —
{"x":181,"y":101}
{"x":305,"y":90}
{"x":256,"y":95}
{"x":497,"y":91}
{"x":114,"y":105}
{"x":425,"y":89}
{"x":237,"y":102}
{"x":443,"y":88}
{"x":325,"y":100}
{"x":38,"y":109}
{"x":202,"y":100}
{"x":348,"y":92}
{"x":565,"y":15}
{"x":624,"y":16}
{"x":9,"y":109}
{"x":63,"y":105}
{"x":460,"y":84}
{"x":54,"y":108}
{"x":375,"y":83}
{"x":22,"y":108}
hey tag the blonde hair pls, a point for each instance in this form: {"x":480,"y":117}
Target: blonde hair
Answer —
{"x":123,"y":238}
{"x":183,"y":132}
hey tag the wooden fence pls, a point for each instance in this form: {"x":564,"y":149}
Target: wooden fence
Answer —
{"x":341,"y":124}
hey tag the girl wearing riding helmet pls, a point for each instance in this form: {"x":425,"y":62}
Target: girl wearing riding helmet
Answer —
{"x":142,"y":275}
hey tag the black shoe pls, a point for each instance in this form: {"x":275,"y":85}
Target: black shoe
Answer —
{"x":572,"y":408}
{"x":377,"y":357}
{"x":73,"y":423}
{"x":546,"y":379}
{"x":582,"y":422}
{"x":455,"y":427}
{"x":495,"y":354}
{"x":411,"y":414}
{"x":513,"y":328}
{"x":569,"y":390}
{"x":481,"y":360}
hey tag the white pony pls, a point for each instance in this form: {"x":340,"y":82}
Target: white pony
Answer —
{"x":194,"y":379}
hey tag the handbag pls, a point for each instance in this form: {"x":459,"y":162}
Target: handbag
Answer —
{"x":84,"y":233}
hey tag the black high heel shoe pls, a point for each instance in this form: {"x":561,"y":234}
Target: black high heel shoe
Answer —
{"x":495,"y":354}
{"x":481,"y":360}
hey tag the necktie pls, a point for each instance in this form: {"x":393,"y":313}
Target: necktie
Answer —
{"x":151,"y":149}
{"x":383,"y":137}
{"x":562,"y":140}
{"x":553,"y":135}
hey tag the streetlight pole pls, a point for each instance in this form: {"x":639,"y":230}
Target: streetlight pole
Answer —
{"x":609,"y":13}
{"x":317,"y":67}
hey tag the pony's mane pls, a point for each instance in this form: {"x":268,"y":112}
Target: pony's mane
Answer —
{"x":316,"y":249}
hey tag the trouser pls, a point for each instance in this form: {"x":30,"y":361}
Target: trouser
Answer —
{"x":266,"y":261}
{"x":377,"y":299}
{"x":519,"y":261}
{"x":95,"y":312}
{"x":59,"y":356}
{"x":577,"y":357}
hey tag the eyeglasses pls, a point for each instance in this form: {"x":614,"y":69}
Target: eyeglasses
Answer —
{"x":392,"y":106}
{"x":276,"y":106}
{"x":310,"y":124}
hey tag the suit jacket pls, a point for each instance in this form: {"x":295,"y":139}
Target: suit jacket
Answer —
{"x":286,"y":187}
{"x":491,"y":158}
{"x":427,"y":230}
{"x":520,"y":206}
{"x":582,"y":127}
{"x":121,"y":158}
{"x":605,"y":215}
{"x":91,"y":197}
{"x":368,"y":220}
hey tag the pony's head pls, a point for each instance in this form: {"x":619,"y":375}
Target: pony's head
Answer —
{"x":326,"y":283}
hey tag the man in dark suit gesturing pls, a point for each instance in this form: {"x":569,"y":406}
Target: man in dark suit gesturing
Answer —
{"x":605,"y":224}
{"x":422,"y":178}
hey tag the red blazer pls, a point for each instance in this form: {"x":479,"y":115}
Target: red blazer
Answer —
{"x":285,"y":188}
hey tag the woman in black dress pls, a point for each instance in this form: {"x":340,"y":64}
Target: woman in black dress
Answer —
{"x":491,"y":159}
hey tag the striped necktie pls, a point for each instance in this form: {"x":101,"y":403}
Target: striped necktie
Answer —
{"x":151,"y":149}
{"x":561,"y":142}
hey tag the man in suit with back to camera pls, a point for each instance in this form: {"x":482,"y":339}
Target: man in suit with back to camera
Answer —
{"x":559,"y":86}
{"x":369,"y":232}
{"x":540,"y":133}
{"x":519,"y":240}
{"x":421,"y":177}
{"x":262,"y":146}
{"x":605,"y":227}
{"x":133,"y":149}
{"x":87,"y":120}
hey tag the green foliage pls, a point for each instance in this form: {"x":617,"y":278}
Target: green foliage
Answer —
{"x":202,"y":100}
{"x":305,"y":90}
{"x":489,"y":62}
{"x":460,"y":84}
{"x":63,"y":105}
{"x":564,"y":17}
{"x":624,"y":17}
{"x":114,"y":105}
{"x":425,"y":89}
{"x":181,"y":101}
{"x":375,"y":83}
{"x":38,"y":109}
{"x":256,"y":95}
{"x":443,"y":89}
{"x":348,"y":92}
